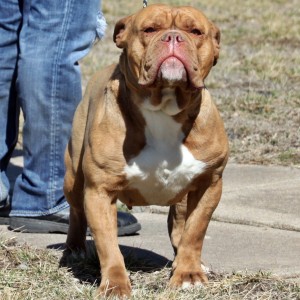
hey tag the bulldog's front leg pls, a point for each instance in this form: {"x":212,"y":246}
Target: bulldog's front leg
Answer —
{"x":101,"y":215}
{"x":187,"y":264}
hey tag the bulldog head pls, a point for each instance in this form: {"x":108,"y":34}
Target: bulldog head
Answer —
{"x":167,"y":46}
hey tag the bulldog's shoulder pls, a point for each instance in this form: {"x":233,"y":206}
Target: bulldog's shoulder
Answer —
{"x":102,"y":78}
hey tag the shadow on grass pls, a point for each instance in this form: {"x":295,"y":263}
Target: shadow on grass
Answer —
{"x":85,"y":267}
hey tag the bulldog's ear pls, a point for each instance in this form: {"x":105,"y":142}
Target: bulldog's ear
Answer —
{"x":216,"y":37}
{"x":120,"y":32}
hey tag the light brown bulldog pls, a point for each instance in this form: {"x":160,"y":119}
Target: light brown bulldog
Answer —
{"x":147,"y":132}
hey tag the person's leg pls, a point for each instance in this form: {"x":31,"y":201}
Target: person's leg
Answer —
{"x":10,"y":21}
{"x":54,"y":36}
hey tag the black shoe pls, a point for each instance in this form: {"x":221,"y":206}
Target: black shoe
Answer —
{"x":4,"y":215}
{"x":127,"y":224}
{"x":59,"y":222}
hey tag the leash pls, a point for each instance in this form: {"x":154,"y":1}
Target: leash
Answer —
{"x":145,"y":3}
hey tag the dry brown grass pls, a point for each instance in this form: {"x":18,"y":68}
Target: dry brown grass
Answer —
{"x":256,"y":81}
{"x":29,"y":273}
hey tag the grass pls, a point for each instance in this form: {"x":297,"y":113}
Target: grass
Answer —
{"x":256,"y":81}
{"x":29,"y":273}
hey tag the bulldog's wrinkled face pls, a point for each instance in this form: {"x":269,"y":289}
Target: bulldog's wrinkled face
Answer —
{"x":167,"y":46}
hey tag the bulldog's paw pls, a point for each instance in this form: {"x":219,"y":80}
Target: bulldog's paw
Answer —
{"x":186,"y":279}
{"x":116,"y":285}
{"x":75,"y":245}
{"x":114,"y":289}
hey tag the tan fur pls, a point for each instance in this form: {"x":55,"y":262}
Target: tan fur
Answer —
{"x":109,"y":131}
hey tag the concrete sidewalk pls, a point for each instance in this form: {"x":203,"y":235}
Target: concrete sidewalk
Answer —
{"x":255,"y":227}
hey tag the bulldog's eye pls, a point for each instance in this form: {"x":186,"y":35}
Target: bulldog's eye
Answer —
{"x":149,"y":30}
{"x":196,"y":32}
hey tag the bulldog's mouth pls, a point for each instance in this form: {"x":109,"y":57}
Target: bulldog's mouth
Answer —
{"x":172,"y":70}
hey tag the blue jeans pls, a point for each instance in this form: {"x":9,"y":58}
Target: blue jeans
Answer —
{"x":40,"y":45}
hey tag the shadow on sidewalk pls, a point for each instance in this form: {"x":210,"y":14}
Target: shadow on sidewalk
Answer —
{"x":86,"y":267}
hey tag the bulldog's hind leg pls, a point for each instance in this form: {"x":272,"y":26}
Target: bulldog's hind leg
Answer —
{"x":73,"y":189}
{"x":77,"y":229}
{"x":201,"y":204}
{"x":176,"y":222}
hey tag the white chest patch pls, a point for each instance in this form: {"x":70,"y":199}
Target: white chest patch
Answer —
{"x":165,"y":166}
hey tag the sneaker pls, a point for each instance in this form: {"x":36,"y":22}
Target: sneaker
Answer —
{"x":59,"y":223}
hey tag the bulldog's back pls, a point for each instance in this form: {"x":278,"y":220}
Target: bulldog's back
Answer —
{"x":91,"y":106}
